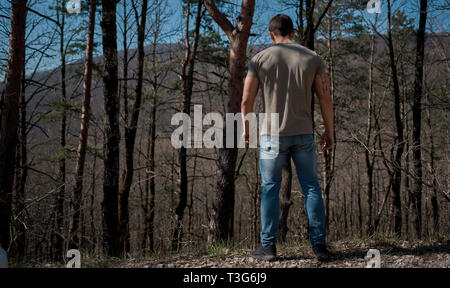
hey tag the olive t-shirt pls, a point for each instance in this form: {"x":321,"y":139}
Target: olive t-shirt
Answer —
{"x":286,"y":73}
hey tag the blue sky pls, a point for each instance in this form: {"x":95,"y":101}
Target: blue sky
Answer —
{"x":173,"y":27}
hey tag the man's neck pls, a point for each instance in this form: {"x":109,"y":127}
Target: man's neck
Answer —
{"x":284,"y":41}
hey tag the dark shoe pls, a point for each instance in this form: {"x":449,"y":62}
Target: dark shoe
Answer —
{"x":268,"y":253}
{"x":321,"y":252}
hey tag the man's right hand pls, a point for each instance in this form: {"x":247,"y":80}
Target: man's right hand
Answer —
{"x":327,"y":141}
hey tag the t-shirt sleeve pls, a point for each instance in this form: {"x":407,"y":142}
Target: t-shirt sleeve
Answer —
{"x":321,"y":67}
{"x":253,"y":67}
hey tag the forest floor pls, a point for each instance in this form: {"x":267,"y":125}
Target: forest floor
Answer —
{"x":346,"y":254}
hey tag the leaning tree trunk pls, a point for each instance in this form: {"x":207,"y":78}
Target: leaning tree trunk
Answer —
{"x":417,"y":120}
{"x":221,"y":224}
{"x":9,"y":115}
{"x":130,"y":136}
{"x":83,"y":138}
{"x":112,"y":129}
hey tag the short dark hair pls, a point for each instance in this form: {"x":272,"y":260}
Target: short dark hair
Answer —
{"x":281,"y":25}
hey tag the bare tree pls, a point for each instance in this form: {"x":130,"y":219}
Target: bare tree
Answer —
{"x":417,"y":119}
{"x":130,"y":133}
{"x":59,"y":207}
{"x":84,"y":129}
{"x":187,"y":76}
{"x":9,"y":115}
{"x":396,"y":211}
{"x":221,"y":224}
{"x":370,"y":155}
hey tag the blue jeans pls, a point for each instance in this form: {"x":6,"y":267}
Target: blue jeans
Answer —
{"x":273,"y":155}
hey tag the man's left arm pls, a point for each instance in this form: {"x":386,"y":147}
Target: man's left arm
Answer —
{"x":251,"y":86}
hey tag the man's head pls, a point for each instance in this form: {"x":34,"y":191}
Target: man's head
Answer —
{"x":281,"y":29}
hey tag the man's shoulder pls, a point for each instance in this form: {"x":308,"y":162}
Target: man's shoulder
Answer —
{"x":261,"y":53}
{"x":304,"y":50}
{"x":279,"y":49}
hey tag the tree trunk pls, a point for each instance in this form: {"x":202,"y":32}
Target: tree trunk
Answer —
{"x":285,"y":200}
{"x":358,"y":193}
{"x":130,"y":136}
{"x":222,"y":218}
{"x":9,"y":115}
{"x":329,"y":155}
{"x":370,"y":160}
{"x":434,"y":199}
{"x":21,"y":177}
{"x":93,"y":189}
{"x":112,"y":129}
{"x":187,"y":78}
{"x":150,"y":187}
{"x":417,"y":120}
{"x":396,"y":212}
{"x":59,"y":213}
{"x":83,"y":138}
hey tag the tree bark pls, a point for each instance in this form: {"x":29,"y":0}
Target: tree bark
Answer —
{"x":112,"y":129}
{"x":9,"y":115}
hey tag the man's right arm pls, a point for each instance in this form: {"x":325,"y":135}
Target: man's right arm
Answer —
{"x":322,"y":90}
